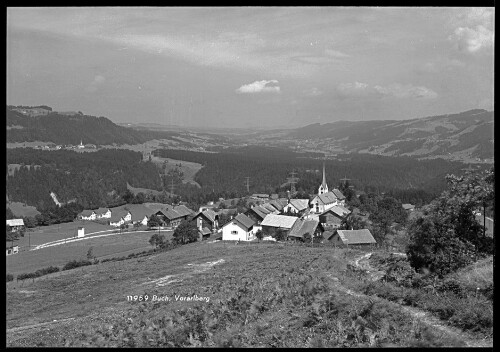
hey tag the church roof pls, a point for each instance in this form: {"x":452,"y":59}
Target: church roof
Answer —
{"x":327,"y":198}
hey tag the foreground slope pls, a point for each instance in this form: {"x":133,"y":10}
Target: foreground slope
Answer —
{"x":245,"y":295}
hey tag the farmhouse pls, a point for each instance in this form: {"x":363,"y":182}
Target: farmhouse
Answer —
{"x":207,"y":219}
{"x":139,"y":214}
{"x":333,"y":217}
{"x":303,"y":230}
{"x":273,"y":222}
{"x":241,"y":228}
{"x":120,"y":217}
{"x":87,"y":215}
{"x":15,"y":224}
{"x":257,"y":213}
{"x":103,"y":213}
{"x":360,"y":238}
{"x":297,"y":206}
{"x":277,"y":204}
{"x":173,"y":217}
{"x":268,"y":206}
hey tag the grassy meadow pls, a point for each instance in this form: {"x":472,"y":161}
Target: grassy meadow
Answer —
{"x":254,"y":295}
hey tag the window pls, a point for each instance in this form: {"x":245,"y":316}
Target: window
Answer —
{"x":234,"y":232}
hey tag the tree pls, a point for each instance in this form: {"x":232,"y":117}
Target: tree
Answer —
{"x":448,"y":236}
{"x":154,"y":221}
{"x":186,"y":232}
{"x":280,"y":234}
{"x":389,"y":210}
{"x":352,"y":222}
{"x":128,"y":196}
{"x":90,"y":254}
{"x":157,"y":240}
{"x":259,"y":234}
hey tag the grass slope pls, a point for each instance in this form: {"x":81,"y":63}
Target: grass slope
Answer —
{"x":260,"y":295}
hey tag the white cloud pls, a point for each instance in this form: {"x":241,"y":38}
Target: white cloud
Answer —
{"x":260,"y":87}
{"x":473,"y":39}
{"x":406,"y":91}
{"x":96,"y":83}
{"x":359,"y":89}
{"x":473,"y":29}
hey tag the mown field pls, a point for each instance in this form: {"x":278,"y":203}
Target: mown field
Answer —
{"x":255,"y":295}
{"x":102,"y":247}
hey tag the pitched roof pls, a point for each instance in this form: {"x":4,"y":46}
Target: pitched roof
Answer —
{"x":183,"y":210}
{"x":338,"y":194}
{"x":139,"y":211}
{"x":274,"y":196}
{"x":327,"y":198}
{"x":301,"y":227}
{"x":282,"y":221}
{"x":157,"y":206}
{"x":15,"y":222}
{"x":300,"y":204}
{"x":339,"y":211}
{"x":363,"y":236}
{"x":259,"y":211}
{"x":115,"y":217}
{"x":87,"y":212}
{"x":244,"y":220}
{"x":209,"y":214}
{"x":269,"y":207}
{"x":408,"y":206}
{"x":101,"y":211}
{"x":277,"y":204}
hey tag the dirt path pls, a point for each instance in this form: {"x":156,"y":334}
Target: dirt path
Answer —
{"x":421,"y":315}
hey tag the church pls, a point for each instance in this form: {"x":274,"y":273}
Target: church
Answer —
{"x":325,"y":199}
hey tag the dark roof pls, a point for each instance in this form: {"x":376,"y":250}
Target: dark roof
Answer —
{"x":139,"y":211}
{"x":261,"y":213}
{"x":208,"y":214}
{"x":363,"y":236}
{"x":327,"y":198}
{"x":300,"y":204}
{"x":277,"y":204}
{"x":101,"y":211}
{"x":116,"y":217}
{"x":301,"y":227}
{"x":339,"y":211}
{"x":244,"y":220}
{"x":87,"y":213}
{"x":183,"y":210}
{"x":269,"y":207}
{"x":338,"y":194}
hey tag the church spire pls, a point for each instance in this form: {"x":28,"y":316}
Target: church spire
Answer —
{"x":324,"y":177}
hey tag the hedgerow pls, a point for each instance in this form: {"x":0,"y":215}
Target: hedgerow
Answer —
{"x":76,"y":264}
{"x":10,"y":277}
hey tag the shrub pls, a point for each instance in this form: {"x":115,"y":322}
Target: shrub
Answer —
{"x":76,"y":263}
{"x":10,"y":277}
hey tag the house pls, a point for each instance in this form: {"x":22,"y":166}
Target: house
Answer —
{"x":297,"y":206}
{"x":352,"y":238}
{"x":173,"y":217}
{"x":340,"y":196}
{"x":120,"y":217}
{"x":240,"y":228}
{"x":204,"y":233}
{"x":408,"y":207}
{"x":333,"y":217}
{"x":322,"y":202}
{"x":303,"y":227}
{"x":139,"y":214}
{"x":15,"y":224}
{"x":272,"y":209}
{"x":103,"y":213}
{"x":257,"y":213}
{"x":207,"y":219}
{"x":273,"y":222}
{"x":12,"y":250}
{"x":87,"y":215}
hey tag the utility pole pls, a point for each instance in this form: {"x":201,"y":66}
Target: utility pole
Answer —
{"x":248,"y":184}
{"x":345,"y":179}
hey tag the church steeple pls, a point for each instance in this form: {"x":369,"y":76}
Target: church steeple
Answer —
{"x":323,"y":188}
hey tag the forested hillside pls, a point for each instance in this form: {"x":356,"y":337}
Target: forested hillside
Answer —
{"x":91,"y":179}
{"x":64,"y":129}
{"x":225,"y":173}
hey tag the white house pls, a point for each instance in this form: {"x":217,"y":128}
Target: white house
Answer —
{"x":323,"y":202}
{"x":296,"y":206}
{"x":241,"y":228}
{"x":15,"y":224}
{"x":103,"y":213}
{"x":88,"y":215}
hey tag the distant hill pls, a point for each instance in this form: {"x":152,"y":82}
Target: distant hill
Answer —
{"x":462,"y":136}
{"x":70,"y":129}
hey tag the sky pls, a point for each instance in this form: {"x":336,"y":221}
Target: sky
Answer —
{"x":251,"y":67}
